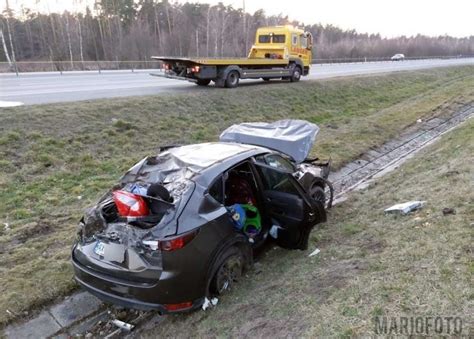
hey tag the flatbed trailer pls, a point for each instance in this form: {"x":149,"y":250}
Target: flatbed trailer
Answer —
{"x":283,"y":52}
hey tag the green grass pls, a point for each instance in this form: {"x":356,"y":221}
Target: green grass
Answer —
{"x":417,"y":265}
{"x":57,"y":159}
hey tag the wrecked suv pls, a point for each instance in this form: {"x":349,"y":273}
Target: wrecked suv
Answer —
{"x":182,"y":225}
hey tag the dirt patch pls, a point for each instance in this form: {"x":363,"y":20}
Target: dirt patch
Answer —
{"x":264,"y":327}
{"x":33,"y":230}
{"x":374,"y":245}
{"x":333,"y":277}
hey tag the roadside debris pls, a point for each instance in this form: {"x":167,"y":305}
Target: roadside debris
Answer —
{"x":7,"y":226}
{"x":208,"y":303}
{"x":316,"y":251}
{"x":405,"y":208}
{"x":448,"y":210}
{"x":123,"y":325}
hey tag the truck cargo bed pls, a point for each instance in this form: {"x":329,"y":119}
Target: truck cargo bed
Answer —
{"x":225,"y":61}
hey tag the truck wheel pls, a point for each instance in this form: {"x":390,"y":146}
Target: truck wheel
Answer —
{"x":296,"y":75}
{"x":229,"y":269}
{"x":203,"y":82}
{"x":232,"y":79}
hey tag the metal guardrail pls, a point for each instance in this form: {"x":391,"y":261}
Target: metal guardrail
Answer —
{"x":67,"y":66}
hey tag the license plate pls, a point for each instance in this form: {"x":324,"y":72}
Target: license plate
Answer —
{"x":99,"y":248}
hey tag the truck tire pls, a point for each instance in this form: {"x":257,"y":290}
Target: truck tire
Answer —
{"x":203,"y":82}
{"x":296,"y":74}
{"x":232,"y":79}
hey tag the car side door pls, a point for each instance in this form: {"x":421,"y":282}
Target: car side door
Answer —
{"x":287,"y":205}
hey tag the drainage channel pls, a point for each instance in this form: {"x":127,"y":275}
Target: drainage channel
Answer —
{"x":387,"y":157}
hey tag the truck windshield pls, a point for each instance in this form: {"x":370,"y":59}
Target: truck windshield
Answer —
{"x":264,"y":39}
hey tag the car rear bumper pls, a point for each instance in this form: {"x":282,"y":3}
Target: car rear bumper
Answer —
{"x":136,"y":295}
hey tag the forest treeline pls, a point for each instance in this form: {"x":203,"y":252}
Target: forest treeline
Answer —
{"x":135,"y":30}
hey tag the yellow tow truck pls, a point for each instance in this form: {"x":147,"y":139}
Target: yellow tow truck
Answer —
{"x":279,"y":52}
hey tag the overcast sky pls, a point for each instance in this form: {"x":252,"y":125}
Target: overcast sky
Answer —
{"x":389,"y":18}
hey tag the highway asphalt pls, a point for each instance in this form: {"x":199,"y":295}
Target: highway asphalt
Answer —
{"x":49,"y":87}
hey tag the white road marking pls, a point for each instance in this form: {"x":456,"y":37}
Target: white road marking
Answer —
{"x":10,"y":103}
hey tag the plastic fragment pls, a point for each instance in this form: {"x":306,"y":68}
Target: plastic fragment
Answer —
{"x":206,"y":304}
{"x":406,"y":207}
{"x":316,"y":251}
{"x":122,"y":325}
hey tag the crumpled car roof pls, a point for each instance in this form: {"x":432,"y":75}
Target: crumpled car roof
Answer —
{"x":184,"y":162}
{"x":294,"y":138}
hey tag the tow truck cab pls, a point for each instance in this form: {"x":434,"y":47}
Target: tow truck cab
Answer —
{"x":283,"y":42}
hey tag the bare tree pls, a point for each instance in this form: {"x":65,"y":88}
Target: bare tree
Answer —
{"x":10,"y":35}
{"x":5,"y":49}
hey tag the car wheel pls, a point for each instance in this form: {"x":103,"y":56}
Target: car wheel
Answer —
{"x":232,"y":79}
{"x":266,"y":79}
{"x":230,"y":266}
{"x":203,"y":82}
{"x":296,"y":75}
{"x":318,"y":194}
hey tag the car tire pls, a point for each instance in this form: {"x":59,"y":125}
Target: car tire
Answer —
{"x":266,"y":79}
{"x":203,"y":82}
{"x":317,"y":193}
{"x":232,"y":79}
{"x":229,"y":268}
{"x":296,"y":74}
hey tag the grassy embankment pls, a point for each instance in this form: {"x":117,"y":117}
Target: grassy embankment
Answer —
{"x":57,"y":159}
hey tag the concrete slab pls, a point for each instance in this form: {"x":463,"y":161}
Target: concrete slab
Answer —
{"x":74,"y":308}
{"x":44,"y":325}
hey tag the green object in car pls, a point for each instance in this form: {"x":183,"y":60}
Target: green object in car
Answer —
{"x":253,"y":219}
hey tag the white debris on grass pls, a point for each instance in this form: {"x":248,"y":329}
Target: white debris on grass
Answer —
{"x":406,"y":207}
{"x":208,"y":303}
{"x":316,"y":251}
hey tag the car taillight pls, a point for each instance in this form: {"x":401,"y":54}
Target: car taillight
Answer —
{"x":178,"y":307}
{"x":195,"y":69}
{"x":170,"y":244}
{"x":167,"y":66}
{"x":129,"y":204}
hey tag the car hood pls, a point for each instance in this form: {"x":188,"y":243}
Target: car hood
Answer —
{"x":294,"y":138}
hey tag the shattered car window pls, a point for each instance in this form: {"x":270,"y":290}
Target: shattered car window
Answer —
{"x":276,"y":161}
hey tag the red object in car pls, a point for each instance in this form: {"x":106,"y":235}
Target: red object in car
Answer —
{"x":129,"y":204}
